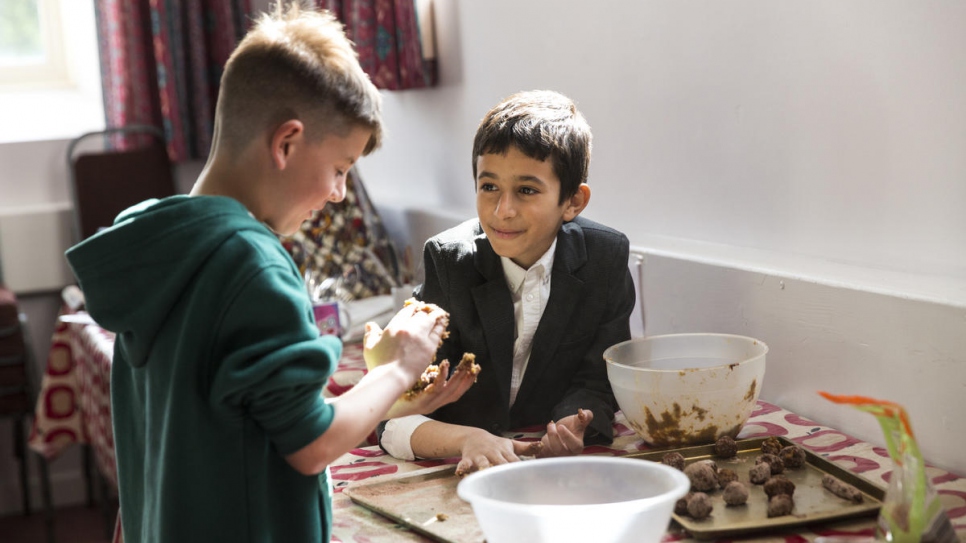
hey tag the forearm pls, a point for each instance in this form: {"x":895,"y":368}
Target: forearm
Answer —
{"x":434,"y":439}
{"x":356,"y":414}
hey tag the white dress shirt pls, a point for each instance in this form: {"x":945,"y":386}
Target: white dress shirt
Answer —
{"x":529,"y":289}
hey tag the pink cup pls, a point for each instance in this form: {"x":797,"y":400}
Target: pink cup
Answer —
{"x":331,"y":318}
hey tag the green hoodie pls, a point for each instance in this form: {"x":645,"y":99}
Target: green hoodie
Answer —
{"x":217,"y":373}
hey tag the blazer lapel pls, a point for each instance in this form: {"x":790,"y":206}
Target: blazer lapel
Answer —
{"x":495,"y":312}
{"x":565,"y":291}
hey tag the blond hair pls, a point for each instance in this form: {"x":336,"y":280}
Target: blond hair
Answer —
{"x":296,"y":63}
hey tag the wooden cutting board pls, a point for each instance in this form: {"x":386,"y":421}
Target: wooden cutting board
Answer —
{"x":425,"y":501}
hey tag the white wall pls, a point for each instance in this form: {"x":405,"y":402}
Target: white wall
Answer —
{"x":824,"y":128}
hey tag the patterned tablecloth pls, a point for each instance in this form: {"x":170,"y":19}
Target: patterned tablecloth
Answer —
{"x":74,"y":407}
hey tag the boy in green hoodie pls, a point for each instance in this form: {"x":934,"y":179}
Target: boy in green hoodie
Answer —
{"x":220,"y":428}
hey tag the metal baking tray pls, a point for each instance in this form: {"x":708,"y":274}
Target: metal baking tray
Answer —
{"x":424,"y":501}
{"x":813,"y":504}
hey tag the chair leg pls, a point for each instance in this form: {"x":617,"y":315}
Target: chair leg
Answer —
{"x":106,"y":509}
{"x":88,"y":474}
{"x":46,"y":497}
{"x":20,"y":447}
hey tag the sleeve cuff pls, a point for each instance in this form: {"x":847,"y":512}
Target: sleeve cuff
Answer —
{"x":397,"y":437}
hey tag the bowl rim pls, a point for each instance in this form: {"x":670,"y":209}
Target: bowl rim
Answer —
{"x":680,"y":489}
{"x":685,"y":334}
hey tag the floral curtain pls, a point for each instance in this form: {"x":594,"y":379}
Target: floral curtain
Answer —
{"x":388,"y":37}
{"x":161,"y":63}
{"x":161,"y":60}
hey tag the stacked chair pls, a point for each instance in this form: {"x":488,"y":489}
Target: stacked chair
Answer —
{"x":18,"y":396}
{"x":113,"y":169}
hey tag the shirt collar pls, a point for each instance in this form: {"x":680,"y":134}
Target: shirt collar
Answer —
{"x":515,"y":274}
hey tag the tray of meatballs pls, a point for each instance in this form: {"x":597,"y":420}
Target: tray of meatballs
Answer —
{"x":749,"y":485}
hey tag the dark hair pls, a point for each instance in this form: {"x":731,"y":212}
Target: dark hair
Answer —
{"x":296,"y":63}
{"x":540,"y":124}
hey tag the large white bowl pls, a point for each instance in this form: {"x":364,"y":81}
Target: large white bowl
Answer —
{"x":686,"y":389}
{"x":574,"y":499}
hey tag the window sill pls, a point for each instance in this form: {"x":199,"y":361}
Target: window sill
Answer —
{"x":49,"y":114}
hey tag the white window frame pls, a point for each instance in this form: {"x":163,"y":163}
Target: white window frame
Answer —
{"x":62,"y":99}
{"x":51,"y":70}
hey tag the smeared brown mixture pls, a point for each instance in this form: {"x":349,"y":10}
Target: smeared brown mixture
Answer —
{"x":429,"y":376}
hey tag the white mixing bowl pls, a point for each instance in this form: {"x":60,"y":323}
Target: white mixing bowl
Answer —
{"x":574,"y":499}
{"x":686,"y":389}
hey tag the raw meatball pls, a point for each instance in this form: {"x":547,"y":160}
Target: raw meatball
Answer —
{"x":779,"y":505}
{"x":725,"y":476}
{"x":735,"y":493}
{"x":681,"y":506}
{"x":699,"y":506}
{"x":773,"y":462}
{"x":779,"y":484}
{"x":759,"y":473}
{"x":725,"y":447}
{"x":702,"y":475}
{"x":771,"y":446}
{"x":673,"y":459}
{"x":792,"y":457}
{"x":710,"y":463}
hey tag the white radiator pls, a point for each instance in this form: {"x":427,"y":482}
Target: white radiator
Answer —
{"x":32,"y":244}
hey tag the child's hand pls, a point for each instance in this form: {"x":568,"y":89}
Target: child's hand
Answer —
{"x":439,"y":393}
{"x":410,"y":339}
{"x":484,"y":450}
{"x":566,"y":436}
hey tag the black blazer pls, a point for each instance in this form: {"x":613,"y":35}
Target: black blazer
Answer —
{"x":591,"y":299}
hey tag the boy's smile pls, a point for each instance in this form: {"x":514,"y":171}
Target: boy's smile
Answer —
{"x":517,"y":202}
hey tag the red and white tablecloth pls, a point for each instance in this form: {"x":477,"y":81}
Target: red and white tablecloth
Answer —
{"x":74,"y":404}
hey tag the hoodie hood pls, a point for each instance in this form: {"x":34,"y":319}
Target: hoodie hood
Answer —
{"x":133,"y":273}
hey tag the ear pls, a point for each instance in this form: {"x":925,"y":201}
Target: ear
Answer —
{"x":285,"y":140}
{"x":577,"y":202}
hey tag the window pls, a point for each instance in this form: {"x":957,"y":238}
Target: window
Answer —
{"x":31,"y":48}
{"x":50,"y":84}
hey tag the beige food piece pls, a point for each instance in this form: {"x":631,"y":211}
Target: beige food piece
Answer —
{"x":841,"y":488}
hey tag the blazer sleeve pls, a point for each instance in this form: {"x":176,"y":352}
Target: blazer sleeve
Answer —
{"x":435,"y":289}
{"x":590,"y":388}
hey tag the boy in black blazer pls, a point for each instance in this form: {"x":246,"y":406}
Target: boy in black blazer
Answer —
{"x":534,"y":291}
